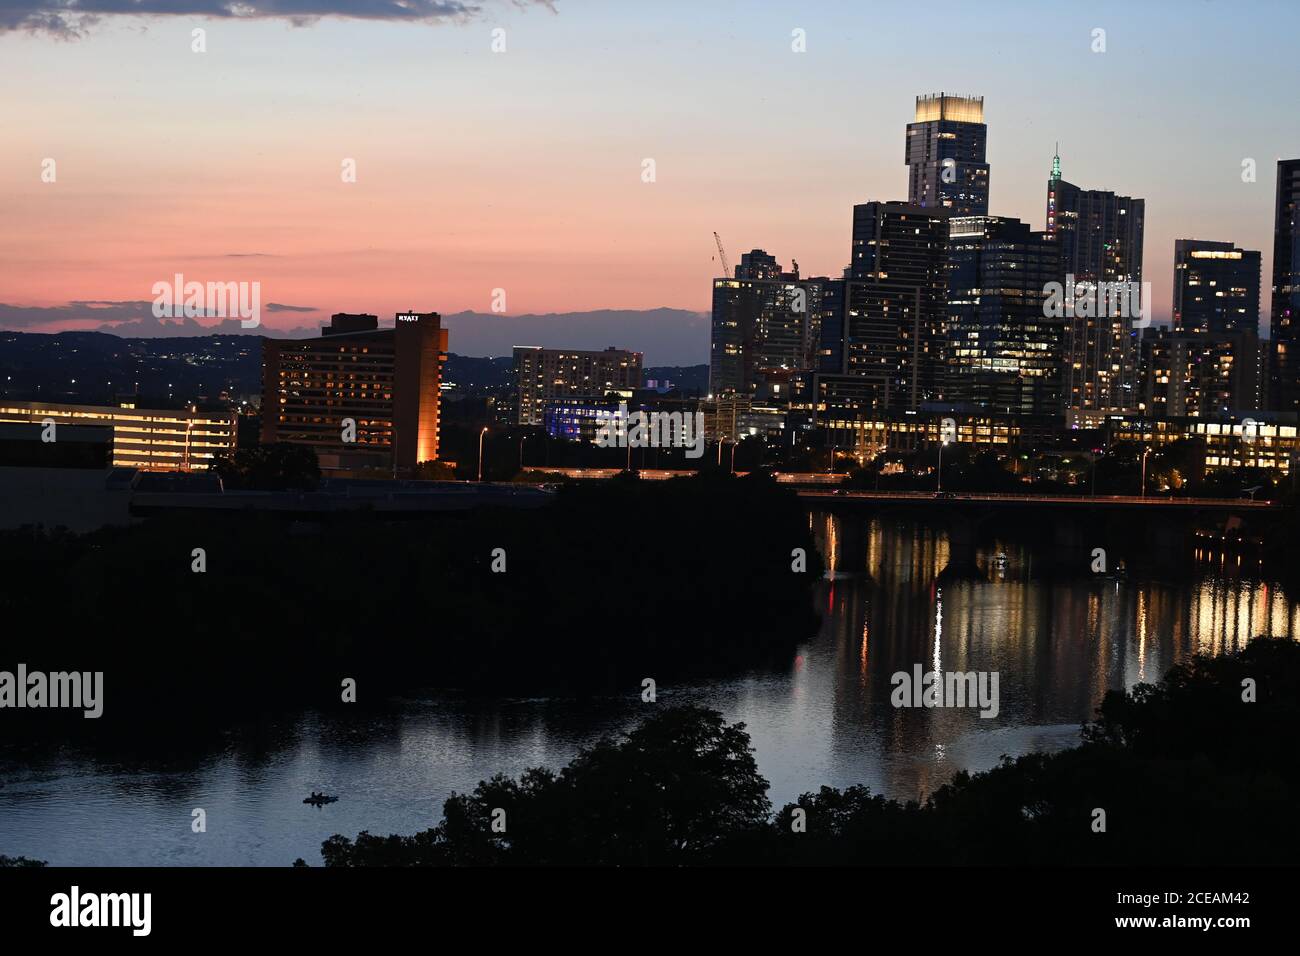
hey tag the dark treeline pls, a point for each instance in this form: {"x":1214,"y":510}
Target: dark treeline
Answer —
{"x":613,"y":583}
{"x":1186,"y":771}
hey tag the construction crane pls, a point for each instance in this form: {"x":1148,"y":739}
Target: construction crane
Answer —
{"x":722,"y":257}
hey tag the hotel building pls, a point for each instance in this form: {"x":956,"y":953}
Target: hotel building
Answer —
{"x":384,"y":382}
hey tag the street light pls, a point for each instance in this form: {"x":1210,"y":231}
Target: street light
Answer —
{"x":942,"y":445}
{"x":1144,"y":472}
{"x":480,"y":452}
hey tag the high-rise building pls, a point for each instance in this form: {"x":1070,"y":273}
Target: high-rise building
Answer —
{"x":1005,"y":354}
{"x":1100,"y":234}
{"x":882,"y":344}
{"x":1284,"y":320}
{"x":363,"y":397}
{"x":543,"y":376}
{"x":145,"y":438}
{"x":899,"y":261}
{"x":945,"y":155}
{"x":766,"y":325}
{"x":1212,"y":375}
{"x":1216,"y":287}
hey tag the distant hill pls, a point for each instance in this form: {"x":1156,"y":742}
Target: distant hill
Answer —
{"x":663,"y":336}
{"x":95,"y":367}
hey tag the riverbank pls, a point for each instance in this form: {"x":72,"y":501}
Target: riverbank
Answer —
{"x":1185,"y":771}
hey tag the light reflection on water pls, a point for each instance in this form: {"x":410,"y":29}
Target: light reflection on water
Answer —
{"x":1057,"y":646}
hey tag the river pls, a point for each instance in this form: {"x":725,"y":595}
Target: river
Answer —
{"x":1056,"y":645}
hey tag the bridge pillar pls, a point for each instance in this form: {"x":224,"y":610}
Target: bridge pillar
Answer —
{"x":1073,"y":539}
{"x":1167,"y":541}
{"x":851,"y":537}
{"x":962,"y":532}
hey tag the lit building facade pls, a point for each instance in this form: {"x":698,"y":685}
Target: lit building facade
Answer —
{"x":144,"y":438}
{"x":386,"y":382}
{"x":1284,"y":322}
{"x":945,"y":155}
{"x":766,"y":324}
{"x":1005,"y":353}
{"x":1198,"y":374}
{"x":1100,"y":234}
{"x":543,"y":376}
{"x":886,"y":349}
{"x":1216,"y":287}
{"x":1245,"y":442}
{"x":867,"y":436}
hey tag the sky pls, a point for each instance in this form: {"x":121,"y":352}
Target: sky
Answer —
{"x":524,"y":170}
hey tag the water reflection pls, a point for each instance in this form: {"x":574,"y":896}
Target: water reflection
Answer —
{"x":1057,"y":645}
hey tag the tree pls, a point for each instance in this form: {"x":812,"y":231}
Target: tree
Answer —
{"x":670,"y":792}
{"x":278,"y":467}
{"x":1187,"y":771}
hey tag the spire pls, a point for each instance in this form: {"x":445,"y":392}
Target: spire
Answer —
{"x":1056,"y":164}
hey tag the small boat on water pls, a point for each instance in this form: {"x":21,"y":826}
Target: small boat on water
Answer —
{"x":319,"y":799}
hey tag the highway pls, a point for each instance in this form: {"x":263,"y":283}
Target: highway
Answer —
{"x":1084,"y":501}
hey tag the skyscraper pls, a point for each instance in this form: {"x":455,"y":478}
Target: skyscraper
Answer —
{"x":1284,"y":360}
{"x":1100,"y":234}
{"x":890,"y":353}
{"x":945,"y":155}
{"x":766,"y":324}
{"x":1198,"y":374}
{"x":1004,"y":353}
{"x":1216,"y":287}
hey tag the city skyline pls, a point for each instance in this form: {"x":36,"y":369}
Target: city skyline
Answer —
{"x":476,"y":436}
{"x":594,"y":236}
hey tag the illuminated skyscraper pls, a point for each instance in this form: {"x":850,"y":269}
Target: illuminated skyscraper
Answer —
{"x":945,"y":155}
{"x":766,"y":326}
{"x":1216,"y":287}
{"x":890,"y":349}
{"x":1284,"y":357}
{"x":1100,"y":234}
{"x":1004,"y":353}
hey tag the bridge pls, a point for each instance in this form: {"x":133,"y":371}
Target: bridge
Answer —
{"x":831,"y":500}
{"x":1065,"y":529}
